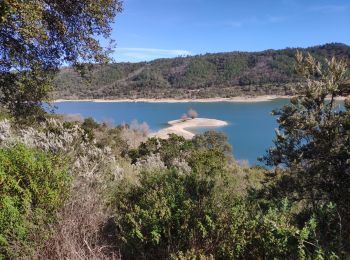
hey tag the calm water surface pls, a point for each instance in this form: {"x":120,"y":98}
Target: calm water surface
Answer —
{"x":250,"y":130}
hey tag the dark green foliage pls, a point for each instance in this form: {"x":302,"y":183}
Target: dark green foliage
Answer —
{"x":212,"y":140}
{"x":24,"y":92}
{"x":175,"y":147}
{"x":36,"y":37}
{"x":89,"y":125}
{"x":208,"y":162}
{"x":312,"y":150}
{"x":202,"y":76}
{"x":33,"y":186}
{"x":233,"y":67}
{"x":172,"y":214}
{"x":198,"y":73}
{"x":178,"y":148}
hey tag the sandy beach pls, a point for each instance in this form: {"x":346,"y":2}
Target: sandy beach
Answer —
{"x":181,"y":127}
{"x":242,"y":99}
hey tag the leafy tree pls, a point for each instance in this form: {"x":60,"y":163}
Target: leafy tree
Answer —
{"x":212,"y":140}
{"x":312,"y":146}
{"x":89,"y":125}
{"x":36,"y":37}
{"x":175,"y":147}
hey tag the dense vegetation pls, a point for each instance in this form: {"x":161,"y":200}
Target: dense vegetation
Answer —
{"x":210,"y":75}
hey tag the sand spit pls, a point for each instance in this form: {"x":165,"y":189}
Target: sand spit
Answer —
{"x":180,"y":127}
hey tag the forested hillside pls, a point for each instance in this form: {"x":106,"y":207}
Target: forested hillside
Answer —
{"x":203,"y":76}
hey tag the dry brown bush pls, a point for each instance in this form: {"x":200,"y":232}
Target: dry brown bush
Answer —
{"x":192,"y":113}
{"x":77,"y":234}
{"x":73,"y":118}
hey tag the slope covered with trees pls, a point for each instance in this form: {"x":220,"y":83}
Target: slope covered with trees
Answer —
{"x":202,"y":76}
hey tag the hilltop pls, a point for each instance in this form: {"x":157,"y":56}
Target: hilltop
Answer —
{"x":202,"y":76}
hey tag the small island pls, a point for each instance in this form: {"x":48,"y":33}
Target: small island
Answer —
{"x":181,"y":126}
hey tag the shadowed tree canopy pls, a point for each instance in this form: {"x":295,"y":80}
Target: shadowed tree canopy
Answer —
{"x":312,"y":145}
{"x":37,"y":36}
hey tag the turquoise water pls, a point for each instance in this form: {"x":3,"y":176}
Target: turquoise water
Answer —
{"x":250,"y":130}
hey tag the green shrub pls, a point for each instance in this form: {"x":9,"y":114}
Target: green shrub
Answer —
{"x":163,"y":215}
{"x":89,"y":125}
{"x":33,"y":186}
{"x":170,"y":214}
{"x":175,"y":147}
{"x":210,"y":140}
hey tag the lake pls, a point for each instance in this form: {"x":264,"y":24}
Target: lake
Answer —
{"x":250,"y":130}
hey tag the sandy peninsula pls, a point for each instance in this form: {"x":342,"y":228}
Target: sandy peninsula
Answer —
{"x":181,"y":127}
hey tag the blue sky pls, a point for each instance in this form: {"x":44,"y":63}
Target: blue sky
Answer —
{"x":150,"y":29}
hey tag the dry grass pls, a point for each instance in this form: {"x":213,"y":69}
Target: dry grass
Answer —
{"x":78,"y":233}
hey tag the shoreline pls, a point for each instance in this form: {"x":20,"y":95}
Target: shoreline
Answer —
{"x":238,"y":99}
{"x":181,"y":127}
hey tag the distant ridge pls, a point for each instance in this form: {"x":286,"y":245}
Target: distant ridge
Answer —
{"x":201,"y":76}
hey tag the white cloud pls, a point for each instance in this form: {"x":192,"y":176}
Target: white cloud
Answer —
{"x":145,"y":54}
{"x":155,"y":51}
